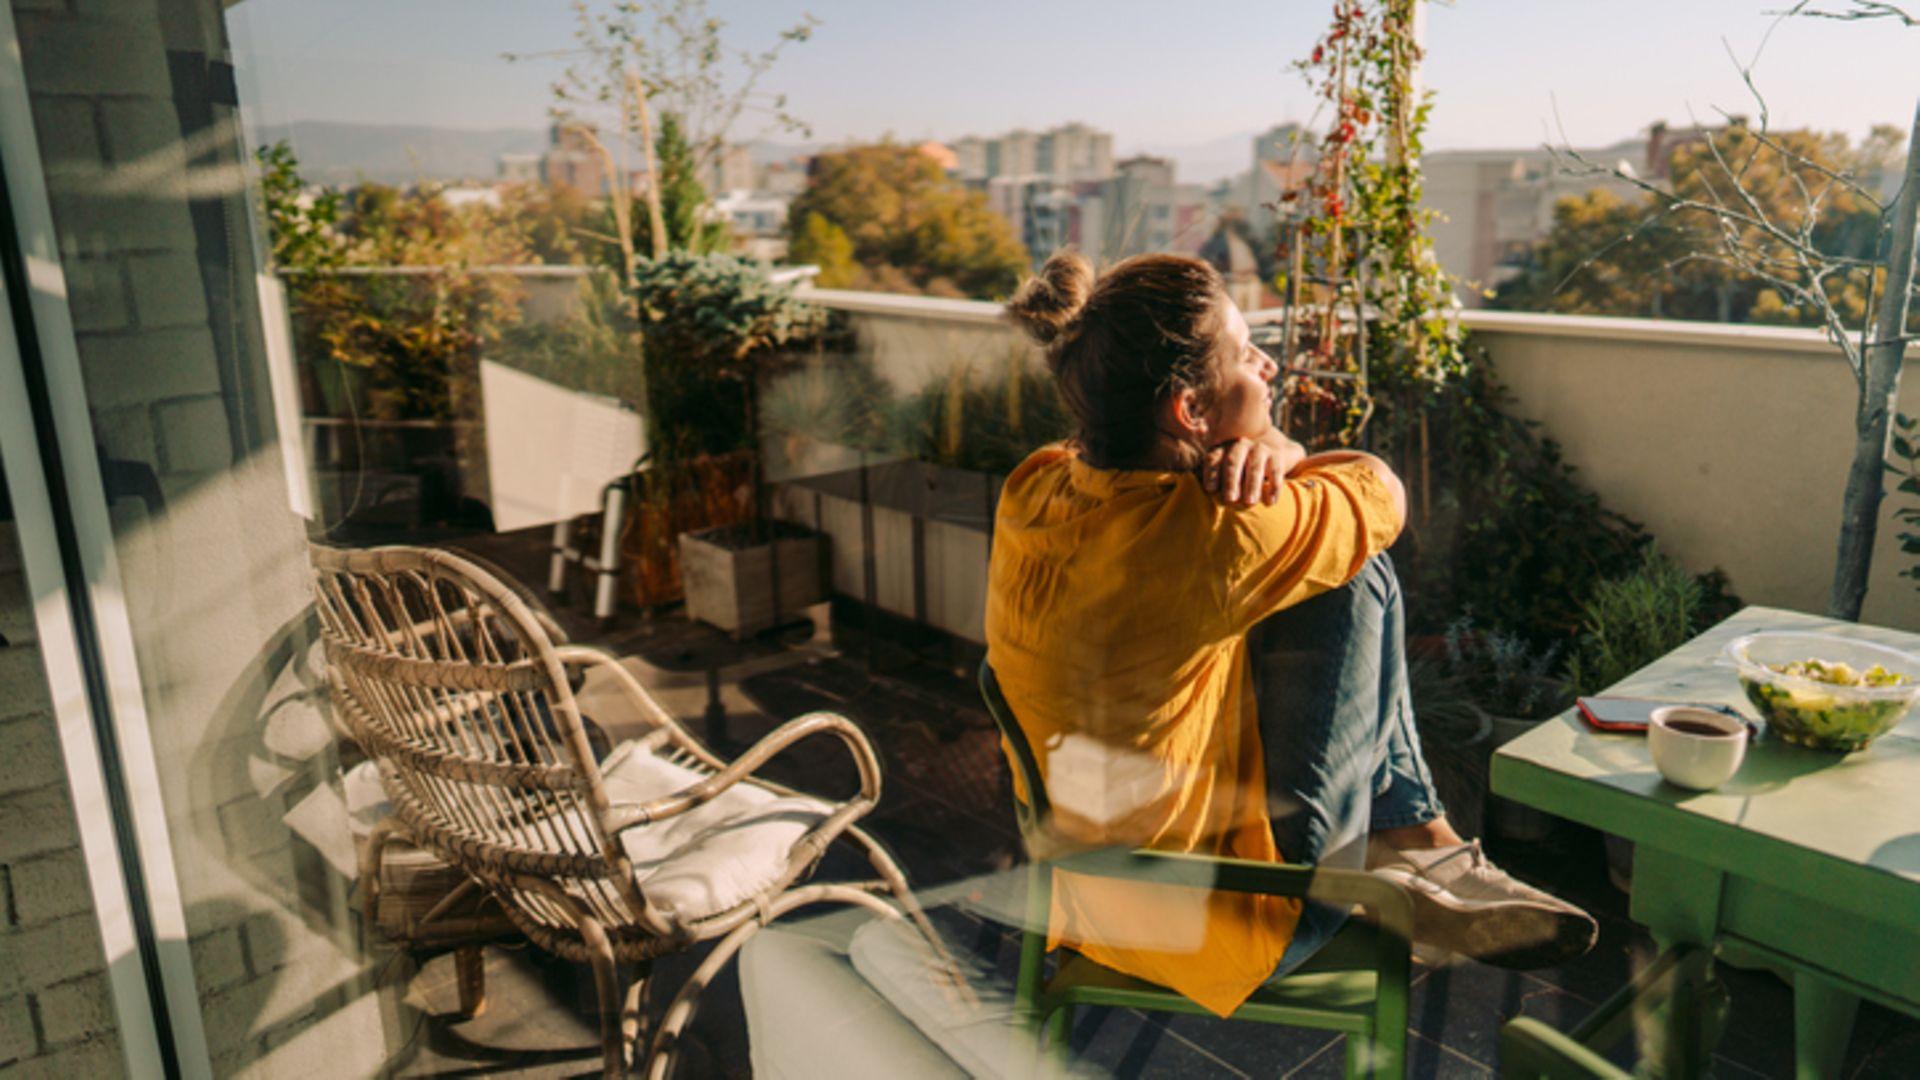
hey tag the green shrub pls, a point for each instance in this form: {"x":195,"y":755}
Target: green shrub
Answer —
{"x":1629,"y":622}
{"x":1502,"y":673}
{"x":987,"y":424}
{"x":835,"y":396}
{"x":1513,"y":536}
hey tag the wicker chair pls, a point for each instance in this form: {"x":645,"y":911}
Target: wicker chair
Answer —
{"x":456,"y":690}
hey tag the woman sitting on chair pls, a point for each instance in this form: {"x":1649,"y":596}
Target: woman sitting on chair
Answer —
{"x":1198,"y":628}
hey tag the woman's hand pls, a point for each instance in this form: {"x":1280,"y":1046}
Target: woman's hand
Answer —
{"x":1242,"y":472}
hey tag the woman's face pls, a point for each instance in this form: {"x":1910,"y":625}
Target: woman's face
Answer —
{"x":1242,"y":406}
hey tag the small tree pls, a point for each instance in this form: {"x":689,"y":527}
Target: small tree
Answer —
{"x":1583,"y":268}
{"x":824,"y":244}
{"x":684,"y":211}
{"x":1779,"y":242}
{"x":635,"y":59}
{"x":398,"y":346}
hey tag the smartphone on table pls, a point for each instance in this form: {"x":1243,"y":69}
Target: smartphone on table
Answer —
{"x":1628,"y":715}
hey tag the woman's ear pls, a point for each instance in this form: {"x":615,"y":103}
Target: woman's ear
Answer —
{"x":1183,"y":417}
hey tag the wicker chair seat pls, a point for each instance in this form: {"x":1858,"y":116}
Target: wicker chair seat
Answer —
{"x":716,"y":856}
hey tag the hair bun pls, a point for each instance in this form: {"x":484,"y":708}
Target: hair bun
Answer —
{"x":1048,"y":303}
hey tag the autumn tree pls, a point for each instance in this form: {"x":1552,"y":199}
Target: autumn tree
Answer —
{"x":910,"y":227}
{"x":389,"y":317}
{"x":825,"y":245}
{"x":1607,"y":255}
{"x":1765,"y":207}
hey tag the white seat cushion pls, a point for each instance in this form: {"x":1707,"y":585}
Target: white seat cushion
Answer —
{"x":365,"y":797}
{"x":715,"y":856}
{"x":810,"y":1016}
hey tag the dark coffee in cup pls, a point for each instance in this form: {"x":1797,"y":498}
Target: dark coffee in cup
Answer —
{"x":1698,"y":727}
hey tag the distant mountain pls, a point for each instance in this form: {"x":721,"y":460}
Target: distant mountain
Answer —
{"x":341,"y":154}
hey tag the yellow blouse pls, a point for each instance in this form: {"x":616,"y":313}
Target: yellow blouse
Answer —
{"x":1117,"y":609}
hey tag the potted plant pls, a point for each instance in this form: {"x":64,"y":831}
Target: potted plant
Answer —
{"x":1512,"y":685}
{"x":715,"y":327}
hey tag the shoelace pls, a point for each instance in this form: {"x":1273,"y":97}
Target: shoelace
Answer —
{"x":1471,"y":849}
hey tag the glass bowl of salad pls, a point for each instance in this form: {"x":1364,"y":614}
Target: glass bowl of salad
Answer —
{"x":1822,"y":690}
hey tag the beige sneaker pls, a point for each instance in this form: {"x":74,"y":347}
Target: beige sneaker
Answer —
{"x":1466,"y":904}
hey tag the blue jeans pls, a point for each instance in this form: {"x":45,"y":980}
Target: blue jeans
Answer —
{"x":1336,"y":725}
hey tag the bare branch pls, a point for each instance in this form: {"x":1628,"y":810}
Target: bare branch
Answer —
{"x":1801,"y":161}
{"x":1716,"y":208}
{"x":1861,"y":9}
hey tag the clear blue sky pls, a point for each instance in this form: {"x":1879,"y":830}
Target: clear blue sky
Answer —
{"x":1156,"y":74}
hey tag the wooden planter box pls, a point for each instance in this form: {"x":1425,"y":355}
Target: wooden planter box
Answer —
{"x":908,"y":538}
{"x":733,"y":588}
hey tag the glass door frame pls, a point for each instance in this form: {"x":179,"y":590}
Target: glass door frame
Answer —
{"x":86,"y":639}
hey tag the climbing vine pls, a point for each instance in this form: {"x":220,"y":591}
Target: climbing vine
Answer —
{"x":1361,"y":240}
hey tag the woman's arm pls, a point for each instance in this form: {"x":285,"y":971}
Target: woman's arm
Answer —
{"x":1248,"y":471}
{"x":1380,"y":469}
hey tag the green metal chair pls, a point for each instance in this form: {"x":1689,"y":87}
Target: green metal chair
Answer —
{"x":1356,"y":983}
{"x":1679,"y":983}
{"x":1531,"y":1049}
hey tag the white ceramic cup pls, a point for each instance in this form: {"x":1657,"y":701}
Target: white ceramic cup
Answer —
{"x":1692,"y":759}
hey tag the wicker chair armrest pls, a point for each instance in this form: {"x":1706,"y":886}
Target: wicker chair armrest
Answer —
{"x":622,"y":816}
{"x":1384,"y":901}
{"x":582,"y":656}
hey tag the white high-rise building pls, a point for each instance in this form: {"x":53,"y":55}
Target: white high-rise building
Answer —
{"x":1068,"y":154}
{"x":1072,"y":153}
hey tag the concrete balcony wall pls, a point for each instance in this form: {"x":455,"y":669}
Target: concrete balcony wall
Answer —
{"x":1729,"y":443}
{"x":913,"y":340}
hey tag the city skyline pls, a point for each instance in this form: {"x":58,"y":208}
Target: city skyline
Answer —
{"x":1158,"y":85}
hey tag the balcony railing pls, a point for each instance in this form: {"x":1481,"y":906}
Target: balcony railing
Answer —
{"x":1729,"y":443}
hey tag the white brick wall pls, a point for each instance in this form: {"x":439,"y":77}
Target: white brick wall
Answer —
{"x":210,"y":582}
{"x":166,"y":290}
{"x":144,"y":367}
{"x":32,"y":753}
{"x":72,"y":1011}
{"x":17,"y":1038}
{"x":54,"y":1011}
{"x":92,"y":57}
{"x":48,"y":887}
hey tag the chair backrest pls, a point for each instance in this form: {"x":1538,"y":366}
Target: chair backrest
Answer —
{"x":450,"y":682}
{"x":1034,"y":809}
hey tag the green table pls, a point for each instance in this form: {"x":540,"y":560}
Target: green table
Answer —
{"x":1804,"y":862}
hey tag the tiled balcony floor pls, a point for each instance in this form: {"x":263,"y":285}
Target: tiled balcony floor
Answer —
{"x":946,"y":815}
